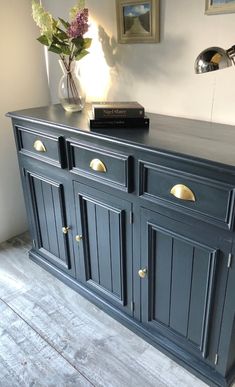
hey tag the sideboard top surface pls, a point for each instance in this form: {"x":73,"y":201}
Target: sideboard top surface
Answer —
{"x":180,"y":136}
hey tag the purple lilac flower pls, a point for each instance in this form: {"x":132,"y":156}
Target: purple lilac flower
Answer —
{"x":79,"y":26}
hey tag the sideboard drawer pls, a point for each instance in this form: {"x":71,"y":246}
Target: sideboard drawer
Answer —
{"x":100,"y":164}
{"x":47,"y":148}
{"x":204,"y":198}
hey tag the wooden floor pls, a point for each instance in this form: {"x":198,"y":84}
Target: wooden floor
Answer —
{"x":51,"y":336}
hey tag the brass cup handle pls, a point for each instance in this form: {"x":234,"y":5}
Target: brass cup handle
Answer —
{"x":39,"y":146}
{"x":65,"y":230}
{"x":98,"y":165}
{"x":142,"y":272}
{"x":78,"y":238}
{"x":183,"y":192}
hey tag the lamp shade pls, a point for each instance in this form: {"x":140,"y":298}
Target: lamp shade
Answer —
{"x":211,"y":59}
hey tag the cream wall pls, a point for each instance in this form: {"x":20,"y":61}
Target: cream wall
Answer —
{"x":160,"y":76}
{"x":23,"y":84}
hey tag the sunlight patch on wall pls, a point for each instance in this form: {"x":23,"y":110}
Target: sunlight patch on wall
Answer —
{"x":95,"y":72}
{"x":47,"y":64}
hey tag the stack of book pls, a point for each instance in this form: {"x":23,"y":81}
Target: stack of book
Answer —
{"x":108,"y":115}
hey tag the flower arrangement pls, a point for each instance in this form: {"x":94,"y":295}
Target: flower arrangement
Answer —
{"x":65,"y":38}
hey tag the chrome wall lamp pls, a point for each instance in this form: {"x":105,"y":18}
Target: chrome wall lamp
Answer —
{"x":214,"y":58}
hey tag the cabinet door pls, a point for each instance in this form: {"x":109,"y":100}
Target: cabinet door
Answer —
{"x":183,"y":287}
{"x":104,"y":247}
{"x":48,"y":215}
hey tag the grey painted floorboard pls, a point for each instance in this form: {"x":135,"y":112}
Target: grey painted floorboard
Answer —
{"x":26,"y":359}
{"x":51,"y":336}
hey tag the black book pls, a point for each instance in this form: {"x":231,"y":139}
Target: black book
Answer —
{"x":130,"y":109}
{"x":118,"y":123}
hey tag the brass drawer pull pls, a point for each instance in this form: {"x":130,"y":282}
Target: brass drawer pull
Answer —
{"x":97,"y":165}
{"x":65,"y":230}
{"x":182,"y":192}
{"x":142,"y":273}
{"x":39,"y":146}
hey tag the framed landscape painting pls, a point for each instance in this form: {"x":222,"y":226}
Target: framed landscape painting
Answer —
{"x":138,"y":21}
{"x":219,"y":6}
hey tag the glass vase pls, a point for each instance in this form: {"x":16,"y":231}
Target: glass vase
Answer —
{"x":71,"y":92}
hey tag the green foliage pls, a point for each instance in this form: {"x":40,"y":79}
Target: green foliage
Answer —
{"x":64,"y":23}
{"x":61,"y":35}
{"x":81,"y":54}
{"x":87,"y":42}
{"x":54,"y":33}
{"x":44,"y":40}
{"x":54,"y":48}
{"x":78,"y":42}
{"x":65,"y":49}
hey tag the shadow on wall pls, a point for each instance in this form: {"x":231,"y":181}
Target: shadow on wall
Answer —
{"x":109,"y":46}
{"x":147,"y":61}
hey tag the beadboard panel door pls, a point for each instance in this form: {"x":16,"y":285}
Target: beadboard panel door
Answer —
{"x":47,"y":204}
{"x":104,"y":244}
{"x":178,"y":291}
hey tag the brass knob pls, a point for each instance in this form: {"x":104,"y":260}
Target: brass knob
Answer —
{"x":142,"y":272}
{"x":78,"y":238}
{"x":65,"y":230}
{"x":98,"y":165}
{"x":182,"y":192}
{"x":39,"y":146}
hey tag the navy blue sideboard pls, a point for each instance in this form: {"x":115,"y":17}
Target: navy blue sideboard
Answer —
{"x":141,"y":222}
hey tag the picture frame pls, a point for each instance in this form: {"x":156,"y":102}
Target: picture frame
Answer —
{"x":215,"y":7}
{"x":138,"y":21}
